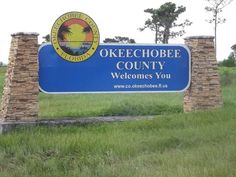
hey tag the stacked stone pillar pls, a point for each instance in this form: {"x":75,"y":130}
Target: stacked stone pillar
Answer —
{"x":205,"y":91}
{"x":20,"y":94}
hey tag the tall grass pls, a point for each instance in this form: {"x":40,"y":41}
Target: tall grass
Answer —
{"x":181,"y":145}
{"x":200,"y":144}
{"x":2,"y":77}
{"x":109,"y":105}
{"x":228,"y":76}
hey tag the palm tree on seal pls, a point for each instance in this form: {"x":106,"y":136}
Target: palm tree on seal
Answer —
{"x":63,"y":30}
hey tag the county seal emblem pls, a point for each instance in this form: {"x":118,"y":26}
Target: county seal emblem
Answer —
{"x":75,"y":36}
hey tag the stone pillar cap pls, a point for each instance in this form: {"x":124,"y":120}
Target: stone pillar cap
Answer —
{"x":25,"y":34}
{"x":199,"y":37}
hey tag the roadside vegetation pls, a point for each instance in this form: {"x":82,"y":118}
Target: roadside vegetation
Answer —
{"x":199,"y":144}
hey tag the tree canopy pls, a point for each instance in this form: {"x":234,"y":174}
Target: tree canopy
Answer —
{"x":233,"y":47}
{"x":216,"y":7}
{"x":229,"y":62}
{"x":119,"y":39}
{"x":163,"y":22}
{"x":46,"y":38}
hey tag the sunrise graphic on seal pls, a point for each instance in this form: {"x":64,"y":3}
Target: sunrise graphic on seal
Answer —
{"x":75,"y":37}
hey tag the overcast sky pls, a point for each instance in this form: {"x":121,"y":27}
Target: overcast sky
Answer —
{"x":113,"y":17}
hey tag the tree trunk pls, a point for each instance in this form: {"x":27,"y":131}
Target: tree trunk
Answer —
{"x":216,"y":16}
{"x":166,"y":36}
{"x":156,"y":33}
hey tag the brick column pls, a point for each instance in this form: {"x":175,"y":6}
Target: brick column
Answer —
{"x":205,"y":91}
{"x":20,"y":94}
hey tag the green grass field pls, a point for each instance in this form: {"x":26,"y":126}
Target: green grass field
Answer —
{"x":174,"y":144}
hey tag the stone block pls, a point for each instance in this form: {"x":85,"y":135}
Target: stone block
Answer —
{"x":205,"y":91}
{"x":20,"y":93}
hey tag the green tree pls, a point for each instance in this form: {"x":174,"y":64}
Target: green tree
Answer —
{"x":216,"y":7}
{"x":163,"y":22}
{"x":233,"y":47}
{"x":229,"y":62}
{"x":234,"y":50}
{"x":119,"y":39}
{"x":47,"y":38}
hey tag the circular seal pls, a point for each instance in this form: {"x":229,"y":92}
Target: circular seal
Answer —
{"x":75,"y":36}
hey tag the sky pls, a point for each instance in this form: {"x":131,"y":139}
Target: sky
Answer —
{"x":113,"y":18}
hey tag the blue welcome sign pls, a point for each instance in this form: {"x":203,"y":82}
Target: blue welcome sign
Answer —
{"x":117,"y":68}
